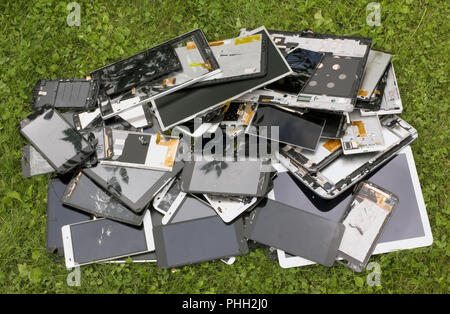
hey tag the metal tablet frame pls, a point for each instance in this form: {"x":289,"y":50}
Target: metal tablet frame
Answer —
{"x":206,"y":55}
{"x":286,"y":261}
{"x":312,"y":181}
{"x":146,"y":198}
{"x":255,"y":31}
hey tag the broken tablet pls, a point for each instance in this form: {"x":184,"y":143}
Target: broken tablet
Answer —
{"x":59,"y":215}
{"x":83,"y":194}
{"x":327,"y":151}
{"x":138,"y":117}
{"x":362,"y":135}
{"x":169,"y":199}
{"x":377,"y":64}
{"x":56,"y":140}
{"x":236,"y":116}
{"x":103,"y":239}
{"x":346,"y":170}
{"x":368,"y":213}
{"x":138,"y":150}
{"x":221,"y":177}
{"x":286,"y":127}
{"x":66,"y":94}
{"x":186,"y":104}
{"x":335,"y":82}
{"x":230,"y":207}
{"x":298,"y":232}
{"x":155,"y":72}
{"x":304,"y":63}
{"x":239,"y":59}
{"x":391,"y":102}
{"x":408,"y":227}
{"x":134,"y":187}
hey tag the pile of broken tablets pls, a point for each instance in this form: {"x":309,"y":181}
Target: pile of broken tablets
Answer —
{"x":194,"y":151}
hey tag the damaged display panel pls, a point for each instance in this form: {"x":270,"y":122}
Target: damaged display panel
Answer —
{"x":139,"y":150}
{"x":103,"y":239}
{"x":377,"y":63}
{"x":408,"y":227}
{"x":334,"y":123}
{"x":368,"y":213}
{"x":346,"y":170}
{"x":334,"y":83}
{"x":237,"y":116}
{"x":313,"y":161}
{"x":134,"y":187}
{"x":186,"y":104}
{"x":230,"y":207}
{"x":286,"y":127}
{"x":82,"y":193}
{"x":373,"y":102}
{"x":363,"y":134}
{"x":391,"y":102}
{"x":155,"y":72}
{"x":239,"y":59}
{"x":66,"y":94}
{"x":56,"y":140}
{"x":87,"y":119}
{"x":59,"y":215}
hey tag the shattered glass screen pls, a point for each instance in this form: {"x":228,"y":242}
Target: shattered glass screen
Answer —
{"x":132,"y":183}
{"x":363,"y":224}
{"x":154,"y":71}
{"x":170,"y":196}
{"x":59,"y":142}
{"x":238,"y":58}
{"x":103,"y":238}
{"x":87,"y":196}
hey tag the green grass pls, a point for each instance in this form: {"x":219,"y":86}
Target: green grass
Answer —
{"x":36,"y":43}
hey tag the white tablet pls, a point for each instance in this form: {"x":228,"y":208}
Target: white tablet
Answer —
{"x":103,"y":239}
{"x":398,"y":176}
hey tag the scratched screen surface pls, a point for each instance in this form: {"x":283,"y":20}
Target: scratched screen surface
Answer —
{"x":103,"y":239}
{"x":89,"y":197}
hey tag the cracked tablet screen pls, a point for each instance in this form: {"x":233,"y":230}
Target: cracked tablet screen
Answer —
{"x":103,"y":238}
{"x":364,"y":223}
